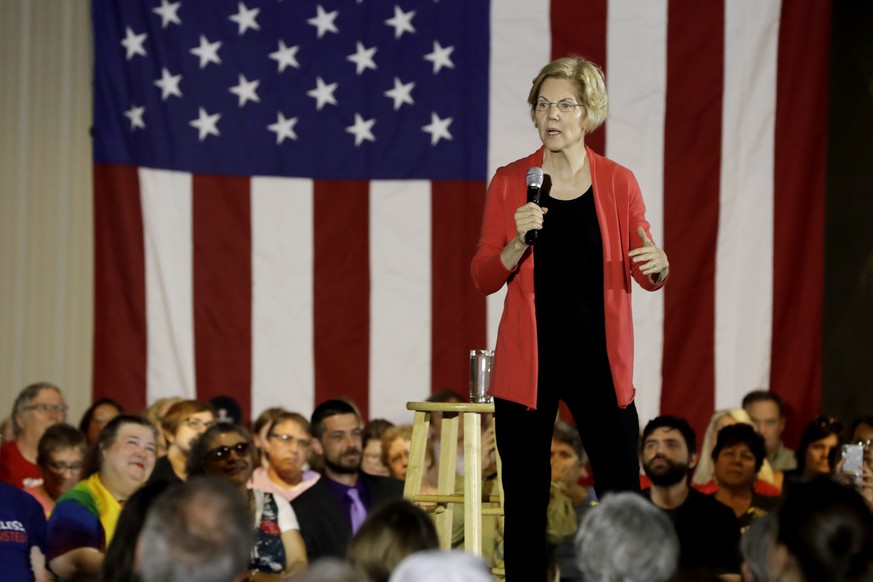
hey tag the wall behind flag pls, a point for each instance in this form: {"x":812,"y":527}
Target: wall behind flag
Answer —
{"x":46,"y":254}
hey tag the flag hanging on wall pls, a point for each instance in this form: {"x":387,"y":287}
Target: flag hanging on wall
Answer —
{"x":288,"y":193}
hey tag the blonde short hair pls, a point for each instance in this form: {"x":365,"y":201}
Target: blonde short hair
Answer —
{"x":590,"y":87}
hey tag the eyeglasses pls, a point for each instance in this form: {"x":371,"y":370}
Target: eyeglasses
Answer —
{"x":287,"y":439}
{"x":867,"y":443}
{"x":401,"y":456}
{"x":198,"y":424}
{"x":219,"y":453}
{"x":563,"y":106}
{"x":58,"y":467}
{"x":47,"y":407}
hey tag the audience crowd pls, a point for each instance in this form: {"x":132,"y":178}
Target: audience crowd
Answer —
{"x":186,"y":491}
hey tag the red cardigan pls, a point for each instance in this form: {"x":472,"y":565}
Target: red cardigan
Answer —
{"x":620,"y":210}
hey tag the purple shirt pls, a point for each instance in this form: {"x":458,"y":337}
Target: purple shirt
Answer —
{"x":340,"y":491}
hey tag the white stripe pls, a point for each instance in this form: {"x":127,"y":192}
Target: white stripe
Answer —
{"x":744,"y":257}
{"x":282,"y":300}
{"x":636,"y":85}
{"x":520,"y":46}
{"x":400,"y":296}
{"x":167,"y":226}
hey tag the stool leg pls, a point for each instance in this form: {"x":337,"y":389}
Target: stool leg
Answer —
{"x":417,"y":453}
{"x":447,"y":472}
{"x":472,"y":484}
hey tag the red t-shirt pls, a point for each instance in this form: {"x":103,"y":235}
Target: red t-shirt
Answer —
{"x":16,"y":470}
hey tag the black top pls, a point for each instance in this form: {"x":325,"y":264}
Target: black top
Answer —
{"x":324,"y":523}
{"x":568,"y":277}
{"x":163,"y":471}
{"x":708,"y":532}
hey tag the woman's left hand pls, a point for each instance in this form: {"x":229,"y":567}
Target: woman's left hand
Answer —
{"x":654,"y":260}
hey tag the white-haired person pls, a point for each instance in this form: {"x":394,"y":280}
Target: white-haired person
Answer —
{"x":626,"y":539}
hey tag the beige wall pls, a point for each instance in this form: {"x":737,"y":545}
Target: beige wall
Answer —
{"x":46,"y":255}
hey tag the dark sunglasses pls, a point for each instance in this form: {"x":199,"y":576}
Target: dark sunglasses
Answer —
{"x":219,"y":453}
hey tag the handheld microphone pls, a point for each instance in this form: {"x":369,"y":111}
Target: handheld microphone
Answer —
{"x":534,"y":180}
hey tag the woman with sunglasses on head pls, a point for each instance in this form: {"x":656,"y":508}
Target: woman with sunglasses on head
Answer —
{"x":226,"y":451}
{"x":566,"y":332}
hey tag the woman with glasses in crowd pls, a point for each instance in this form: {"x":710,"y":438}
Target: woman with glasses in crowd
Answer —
{"x":61,"y":458}
{"x":83,"y":522}
{"x":36,"y":408}
{"x":181,"y":425}
{"x":286,"y":446}
{"x":566,"y":332}
{"x":227,"y":451}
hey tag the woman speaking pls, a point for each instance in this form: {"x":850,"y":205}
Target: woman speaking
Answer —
{"x":567,"y":330}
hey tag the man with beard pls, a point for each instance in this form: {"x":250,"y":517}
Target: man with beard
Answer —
{"x":708,"y":531}
{"x":332,"y":510}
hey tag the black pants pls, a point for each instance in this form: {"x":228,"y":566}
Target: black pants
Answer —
{"x":524,"y":438}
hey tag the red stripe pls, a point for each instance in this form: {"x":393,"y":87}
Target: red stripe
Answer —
{"x":341,"y":291}
{"x":799,"y":188}
{"x":692,"y":153}
{"x":579,"y":27}
{"x":222,"y":284}
{"x":458,"y":311}
{"x":119,"y":288}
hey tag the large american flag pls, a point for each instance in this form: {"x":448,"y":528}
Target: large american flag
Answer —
{"x":288,"y":193}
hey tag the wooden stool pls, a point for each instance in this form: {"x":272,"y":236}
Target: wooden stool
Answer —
{"x":445,"y":499}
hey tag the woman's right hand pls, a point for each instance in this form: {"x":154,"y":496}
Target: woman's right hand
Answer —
{"x":528,"y":217}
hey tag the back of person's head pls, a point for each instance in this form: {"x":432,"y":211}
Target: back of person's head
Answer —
{"x":393,"y":531}
{"x":737,"y":434}
{"x":672,"y":423}
{"x":197,"y":531}
{"x":227,"y":409}
{"x":118,"y":563}
{"x":329,"y":408}
{"x":827,"y":528}
{"x":754,"y":547}
{"x":626,"y":539}
{"x":442,"y":566}
{"x":329,"y":570}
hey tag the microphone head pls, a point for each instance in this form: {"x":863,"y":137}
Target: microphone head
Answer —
{"x":535,"y":177}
